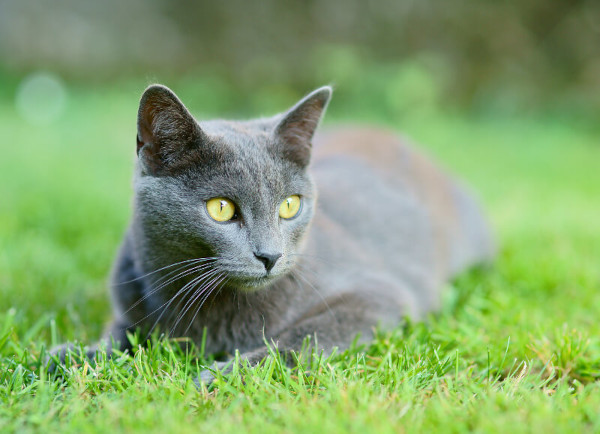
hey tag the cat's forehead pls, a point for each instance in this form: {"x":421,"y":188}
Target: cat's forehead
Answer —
{"x":242,"y":154}
{"x":247,"y":146}
{"x":239,"y":133}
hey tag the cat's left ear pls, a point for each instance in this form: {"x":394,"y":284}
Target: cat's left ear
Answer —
{"x":297,"y":126}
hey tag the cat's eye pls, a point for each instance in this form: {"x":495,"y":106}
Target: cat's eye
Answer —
{"x":220,"y":209}
{"x":289,"y":207}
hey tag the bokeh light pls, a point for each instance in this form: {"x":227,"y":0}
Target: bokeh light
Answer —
{"x":41,"y":98}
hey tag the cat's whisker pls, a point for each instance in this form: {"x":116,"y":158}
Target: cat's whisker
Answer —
{"x":205,"y":282}
{"x":305,"y":268}
{"x":296,"y":273}
{"x":164,"y":268}
{"x":181,"y":274}
{"x":184,"y":273}
{"x":185,"y":289}
{"x":204,"y":263}
{"x":216,"y":285}
{"x":190,"y":287}
{"x":223,"y":280}
{"x":326,"y":261}
{"x":167,"y":304}
{"x":197,"y":293}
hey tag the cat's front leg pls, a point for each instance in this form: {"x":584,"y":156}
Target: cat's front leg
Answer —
{"x":114,"y":338}
{"x":334,"y":323}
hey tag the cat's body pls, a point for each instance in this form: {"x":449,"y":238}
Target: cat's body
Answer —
{"x":388,"y":228}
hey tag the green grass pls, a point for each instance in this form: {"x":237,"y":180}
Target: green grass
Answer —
{"x":515,"y":348}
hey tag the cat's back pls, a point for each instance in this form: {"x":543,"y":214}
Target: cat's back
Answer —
{"x":386,"y":206}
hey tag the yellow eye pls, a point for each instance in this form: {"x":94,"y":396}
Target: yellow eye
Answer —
{"x":289,"y":207}
{"x":220,"y":209}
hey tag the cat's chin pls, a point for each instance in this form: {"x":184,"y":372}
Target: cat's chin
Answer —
{"x":253,"y":284}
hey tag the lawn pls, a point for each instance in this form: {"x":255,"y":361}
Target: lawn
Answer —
{"x":516,"y":348}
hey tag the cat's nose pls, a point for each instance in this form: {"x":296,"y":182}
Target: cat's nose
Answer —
{"x":268,"y":258}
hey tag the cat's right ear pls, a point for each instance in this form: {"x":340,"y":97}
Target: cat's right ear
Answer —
{"x":297,"y":127}
{"x":165,"y":129}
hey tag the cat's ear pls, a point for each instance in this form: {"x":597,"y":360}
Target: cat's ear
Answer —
{"x":165,"y":128}
{"x":297,"y":126}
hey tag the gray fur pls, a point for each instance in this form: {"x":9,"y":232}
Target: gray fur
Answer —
{"x":375,"y":247}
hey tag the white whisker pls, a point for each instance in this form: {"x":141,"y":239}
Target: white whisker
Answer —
{"x":185,"y":289}
{"x":181,"y":274}
{"x":223,"y":279}
{"x":164,"y":268}
{"x":197,"y":293}
{"x":296,"y":273}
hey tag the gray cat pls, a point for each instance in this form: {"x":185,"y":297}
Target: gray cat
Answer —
{"x":228,"y":235}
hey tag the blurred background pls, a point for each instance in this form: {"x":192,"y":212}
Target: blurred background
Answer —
{"x":505,"y":93}
{"x":392,"y":56}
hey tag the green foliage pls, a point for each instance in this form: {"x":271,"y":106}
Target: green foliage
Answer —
{"x":515,"y":347}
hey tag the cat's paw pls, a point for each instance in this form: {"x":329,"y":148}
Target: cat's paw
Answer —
{"x":58,"y":355}
{"x":207,"y":376}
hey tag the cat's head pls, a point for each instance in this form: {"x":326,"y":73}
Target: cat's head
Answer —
{"x":238,"y":192}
